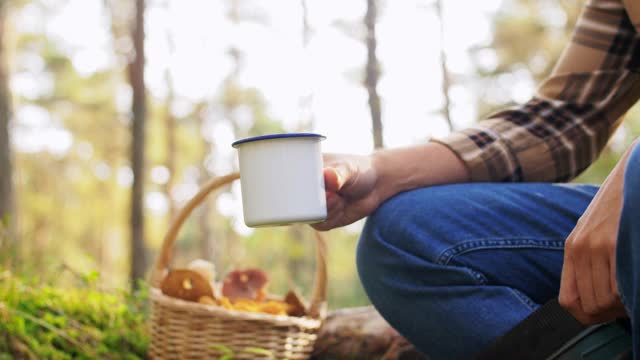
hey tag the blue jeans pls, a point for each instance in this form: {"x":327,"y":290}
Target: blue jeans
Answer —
{"x":453,"y":267}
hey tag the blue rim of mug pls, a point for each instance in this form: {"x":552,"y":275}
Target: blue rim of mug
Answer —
{"x":276,"y":136}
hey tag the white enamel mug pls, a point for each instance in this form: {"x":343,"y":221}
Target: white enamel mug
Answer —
{"x":281,"y":177}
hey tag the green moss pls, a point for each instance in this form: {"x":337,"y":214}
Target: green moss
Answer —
{"x":38,"y":321}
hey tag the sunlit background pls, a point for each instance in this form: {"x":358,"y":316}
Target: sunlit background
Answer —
{"x":219,"y":70}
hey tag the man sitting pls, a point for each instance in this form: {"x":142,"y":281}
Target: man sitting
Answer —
{"x":467,"y":235}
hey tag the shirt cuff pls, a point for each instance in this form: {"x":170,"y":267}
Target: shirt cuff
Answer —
{"x":484,"y":154}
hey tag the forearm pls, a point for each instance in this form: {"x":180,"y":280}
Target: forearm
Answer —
{"x":409,"y":168}
{"x":588,"y":286}
{"x":617,"y":174}
{"x":613,"y":185}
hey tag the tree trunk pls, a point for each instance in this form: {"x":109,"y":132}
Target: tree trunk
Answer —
{"x":373,"y":73}
{"x":207,"y":250}
{"x":7,"y":216}
{"x":306,"y":28}
{"x":306,"y":99}
{"x":361,"y":334}
{"x":298,"y":263}
{"x":446,"y":79}
{"x":170,"y":128}
{"x":139,"y":113}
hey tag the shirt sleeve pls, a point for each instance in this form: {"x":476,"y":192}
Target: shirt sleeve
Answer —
{"x":564,"y":127}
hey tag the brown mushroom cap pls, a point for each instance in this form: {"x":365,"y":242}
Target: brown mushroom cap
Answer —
{"x":296,"y":304}
{"x":186,"y":285}
{"x":245,"y":284}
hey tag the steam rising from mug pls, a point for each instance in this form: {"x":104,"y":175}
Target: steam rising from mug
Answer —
{"x":281,"y":177}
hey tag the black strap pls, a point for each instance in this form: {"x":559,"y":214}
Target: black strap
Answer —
{"x":536,"y":337}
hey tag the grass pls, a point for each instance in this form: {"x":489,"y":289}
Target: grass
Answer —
{"x":38,"y":321}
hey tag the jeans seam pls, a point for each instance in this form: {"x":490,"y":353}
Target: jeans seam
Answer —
{"x":482,"y":280}
{"x":475,"y":238}
{"x":505,"y":243}
{"x":523,"y":298}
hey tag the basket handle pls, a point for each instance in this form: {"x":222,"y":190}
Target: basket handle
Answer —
{"x":317,"y":306}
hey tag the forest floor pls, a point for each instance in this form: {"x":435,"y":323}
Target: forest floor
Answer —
{"x":38,"y":321}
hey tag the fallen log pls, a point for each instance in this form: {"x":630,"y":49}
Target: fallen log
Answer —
{"x":362,"y":334}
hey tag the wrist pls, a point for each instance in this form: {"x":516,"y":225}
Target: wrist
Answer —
{"x":387,"y":182}
{"x":405,"y":169}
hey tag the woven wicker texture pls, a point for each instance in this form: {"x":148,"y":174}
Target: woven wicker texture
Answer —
{"x":187,"y":330}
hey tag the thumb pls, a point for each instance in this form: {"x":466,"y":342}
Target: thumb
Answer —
{"x":336,"y":176}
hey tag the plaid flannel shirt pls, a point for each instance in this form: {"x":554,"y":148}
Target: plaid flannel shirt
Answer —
{"x":565,"y":126}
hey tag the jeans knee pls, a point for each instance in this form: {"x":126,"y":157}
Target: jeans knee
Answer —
{"x":374,"y":254}
{"x":383,"y":235}
{"x":395,"y":243}
{"x":369,"y":255}
{"x":410,"y":228}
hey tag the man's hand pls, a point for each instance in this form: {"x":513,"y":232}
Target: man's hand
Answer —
{"x":588,"y":288}
{"x":350,"y":182}
{"x":357,"y":185}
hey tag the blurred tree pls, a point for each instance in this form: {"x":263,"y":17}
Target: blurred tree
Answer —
{"x":7,"y":214}
{"x":365,"y":31}
{"x":139,"y":115}
{"x":297,"y":260}
{"x":170,"y":133}
{"x":446,"y":76}
{"x":372,"y":73}
{"x":508,"y":59}
{"x":74,"y":217}
{"x":306,"y":27}
{"x":208,"y":248}
{"x":231,"y":103}
{"x":306,"y":99}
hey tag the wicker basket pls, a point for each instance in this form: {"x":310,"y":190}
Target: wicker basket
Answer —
{"x":188,"y":330}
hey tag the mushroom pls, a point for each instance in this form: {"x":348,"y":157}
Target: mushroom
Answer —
{"x":204,"y":268}
{"x":186,"y":285}
{"x":296,"y":304}
{"x":245,"y":284}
